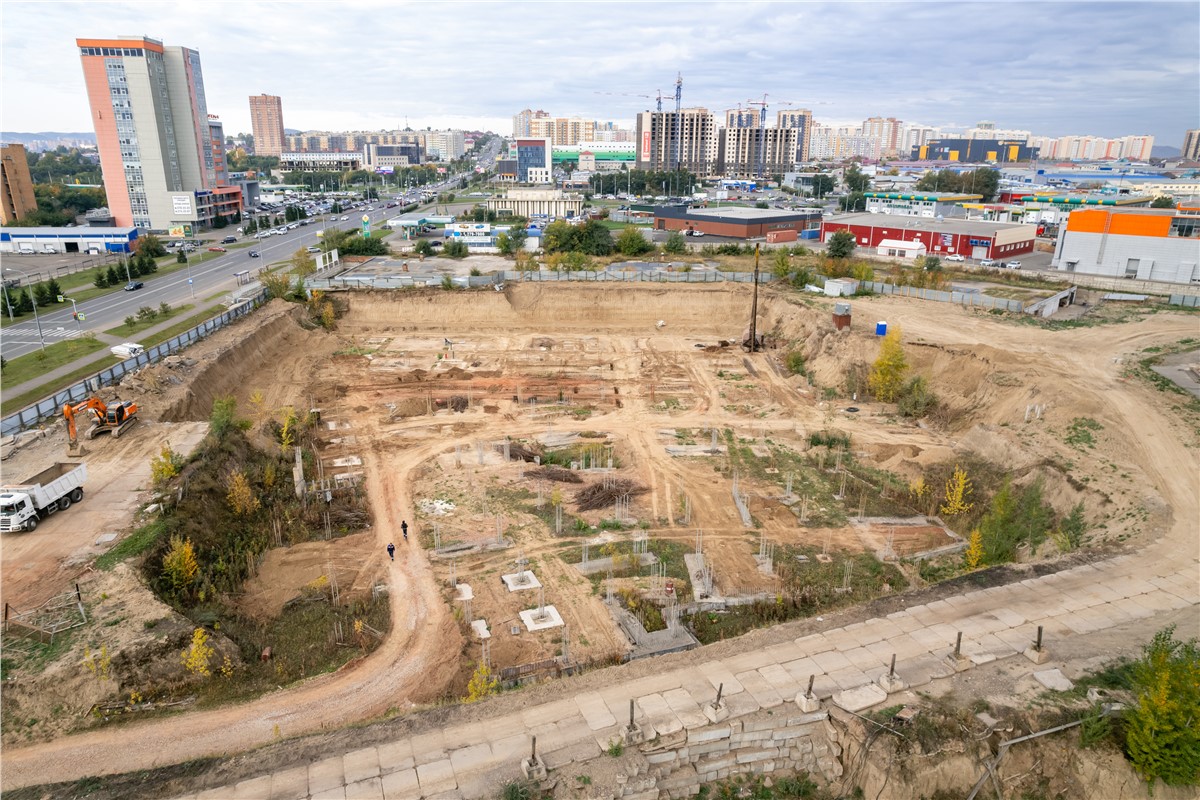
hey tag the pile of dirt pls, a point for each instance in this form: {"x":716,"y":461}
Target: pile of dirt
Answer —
{"x":409,"y":407}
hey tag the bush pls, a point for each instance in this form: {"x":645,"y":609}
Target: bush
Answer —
{"x":631,"y":242}
{"x":1162,"y":737}
{"x":794,"y":361}
{"x":916,"y":400}
{"x":455,"y":249}
{"x":423,"y":247}
{"x":675,"y":243}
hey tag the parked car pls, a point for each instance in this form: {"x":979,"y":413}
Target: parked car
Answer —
{"x":1013,"y":265}
{"x":254,"y":254}
{"x":956,"y":258}
{"x":229,"y":240}
{"x":988,"y":262}
{"x":133,"y":286}
{"x":311,"y":249}
{"x":217,"y":250}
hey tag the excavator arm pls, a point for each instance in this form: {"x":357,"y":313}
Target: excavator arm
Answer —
{"x":93,"y":404}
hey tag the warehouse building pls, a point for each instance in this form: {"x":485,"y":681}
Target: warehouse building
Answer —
{"x":904,"y":236}
{"x":932,"y":204}
{"x":1149,"y":244}
{"x":79,"y":239}
{"x":737,"y":222}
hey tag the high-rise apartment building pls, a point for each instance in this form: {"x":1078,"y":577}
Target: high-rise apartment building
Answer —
{"x":151,"y":120}
{"x":687,"y":140}
{"x":266,"y":117}
{"x":216,"y":135}
{"x":445,"y":145}
{"x":523,"y":121}
{"x":16,"y":186}
{"x":800,"y":119}
{"x":743,"y":117}
{"x":1191,"y":145}
{"x":887,"y":131}
{"x":754,"y":152}
{"x":562,"y":131}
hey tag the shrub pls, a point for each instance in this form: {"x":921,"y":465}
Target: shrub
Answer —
{"x":794,"y":361}
{"x":1162,"y":737}
{"x":887,"y":373}
{"x":916,"y":399}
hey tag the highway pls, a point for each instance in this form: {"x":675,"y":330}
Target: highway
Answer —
{"x":208,"y":278}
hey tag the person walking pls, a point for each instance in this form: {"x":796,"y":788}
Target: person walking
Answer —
{"x":391,"y":551}
{"x":404,"y":529}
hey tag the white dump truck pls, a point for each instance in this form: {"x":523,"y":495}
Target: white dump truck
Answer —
{"x":22,"y":505}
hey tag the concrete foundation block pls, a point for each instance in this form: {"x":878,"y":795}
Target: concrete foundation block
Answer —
{"x":807,"y":704}
{"x":751,"y":756}
{"x":1037,"y":656}
{"x":709,"y":748}
{"x":959,"y":663}
{"x":633,"y":734}
{"x":704,"y":735}
{"x":533,"y":769}
{"x":892,"y":683}
{"x":715,"y":713}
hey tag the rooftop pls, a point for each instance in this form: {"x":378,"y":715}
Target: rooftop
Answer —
{"x":967,"y":226}
{"x":738,"y":213}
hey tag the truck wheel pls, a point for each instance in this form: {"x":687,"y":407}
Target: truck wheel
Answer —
{"x":77,"y":495}
{"x":64,"y":502}
{"x":31,"y":524}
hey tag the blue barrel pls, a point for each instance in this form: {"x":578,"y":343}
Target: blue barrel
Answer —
{"x":881,"y":329}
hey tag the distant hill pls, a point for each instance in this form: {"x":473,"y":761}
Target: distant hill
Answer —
{"x":1164,"y":151}
{"x":48,"y":140}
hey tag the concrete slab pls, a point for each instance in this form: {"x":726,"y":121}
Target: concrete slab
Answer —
{"x":801,"y":668}
{"x":716,"y":673}
{"x":338,"y":793}
{"x":548,"y":713}
{"x":831,"y":661}
{"x":480,"y":627}
{"x":594,"y":711}
{"x":860,"y":698}
{"x":326,"y":774}
{"x":472,"y":758}
{"x":395,"y":756}
{"x":511,"y":748}
{"x":747,"y":661}
{"x":521,"y":581}
{"x":360,"y":765}
{"x":849,"y":677}
{"x":465,"y":592}
{"x":903,"y":621}
{"x":741,"y":704}
{"x":1054,"y":680}
{"x":862,"y":658}
{"x":290,"y":784}
{"x":903,"y":645}
{"x":429,"y":747}
{"x":689,"y":712}
{"x":875,"y":630}
{"x":757,"y":685}
{"x":814,"y":643}
{"x":780,"y":679}
{"x":252,"y":789}
{"x":788,"y":651}
{"x":549,"y":618}
{"x":402,"y":785}
{"x":437,"y":776}
{"x":369,"y":789}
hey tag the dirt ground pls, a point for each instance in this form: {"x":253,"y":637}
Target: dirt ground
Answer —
{"x":540,"y":362}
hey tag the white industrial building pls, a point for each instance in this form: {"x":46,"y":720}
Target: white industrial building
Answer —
{"x":1141,"y":243}
{"x":81,"y":239}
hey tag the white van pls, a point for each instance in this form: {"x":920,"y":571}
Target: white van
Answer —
{"x":127,"y":350}
{"x":26,"y":250}
{"x":49,"y":248}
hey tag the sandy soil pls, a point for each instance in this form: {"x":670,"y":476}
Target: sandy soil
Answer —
{"x":602,"y":346}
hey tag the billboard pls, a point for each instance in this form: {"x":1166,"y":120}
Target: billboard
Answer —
{"x":179,"y":231}
{"x":181,"y":205}
{"x":645,"y":145}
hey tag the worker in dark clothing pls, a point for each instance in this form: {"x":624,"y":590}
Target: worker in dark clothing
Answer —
{"x":391,"y":551}
{"x":404,"y":529}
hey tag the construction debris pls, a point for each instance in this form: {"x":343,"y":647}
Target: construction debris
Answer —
{"x":604,"y":494}
{"x":553,"y":473}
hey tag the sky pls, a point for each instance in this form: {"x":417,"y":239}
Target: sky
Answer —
{"x":1100,"y":68}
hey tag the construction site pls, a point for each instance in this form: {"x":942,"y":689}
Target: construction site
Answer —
{"x":588,"y":476}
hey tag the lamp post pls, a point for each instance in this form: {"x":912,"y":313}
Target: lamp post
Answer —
{"x":187,"y":258}
{"x":32,"y":299}
{"x":74,"y":313}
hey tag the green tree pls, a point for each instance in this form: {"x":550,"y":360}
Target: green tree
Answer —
{"x":916,"y":399}
{"x":841,"y":244}
{"x":181,"y":257}
{"x":150,"y":245}
{"x":631,"y":242}
{"x":822,"y":184}
{"x":303,"y":262}
{"x":41,"y":293}
{"x":455,"y":248}
{"x":1162,"y":730}
{"x":219,"y":221}
{"x":855,"y":201}
{"x":595,"y":239}
{"x":423,"y":247}
{"x":277,"y":284}
{"x":54,"y":289}
{"x":888,"y":371}
{"x":676,"y":243}
{"x":855,"y":179}
{"x":560,"y":237}
{"x":1163,"y":201}
{"x":112,"y":277}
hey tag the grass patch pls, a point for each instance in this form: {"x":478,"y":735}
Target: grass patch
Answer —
{"x":182,"y":325}
{"x":143,"y":324}
{"x":133,"y":545}
{"x":31,"y":365}
{"x":1079,"y":433}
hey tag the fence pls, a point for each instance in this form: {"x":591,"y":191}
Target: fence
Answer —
{"x":1186,"y":300}
{"x":971,"y":299}
{"x":655,"y":274}
{"x":30,"y":416}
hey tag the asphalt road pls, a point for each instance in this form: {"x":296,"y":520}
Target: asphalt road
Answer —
{"x":209,"y":278}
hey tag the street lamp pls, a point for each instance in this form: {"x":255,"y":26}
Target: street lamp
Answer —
{"x":32,"y":299}
{"x":187,"y":258}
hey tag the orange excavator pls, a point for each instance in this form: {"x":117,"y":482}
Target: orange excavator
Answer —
{"x":105,"y":419}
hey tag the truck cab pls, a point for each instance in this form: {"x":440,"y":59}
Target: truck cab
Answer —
{"x":16,"y":510}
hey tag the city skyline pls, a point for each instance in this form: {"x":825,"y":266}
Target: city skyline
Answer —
{"x":1132,"y":68}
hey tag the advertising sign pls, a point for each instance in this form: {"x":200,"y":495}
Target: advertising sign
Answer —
{"x":366,"y":230}
{"x":181,"y":205}
{"x":645,"y":145}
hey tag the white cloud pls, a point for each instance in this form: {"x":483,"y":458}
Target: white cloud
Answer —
{"x":1103,"y":68}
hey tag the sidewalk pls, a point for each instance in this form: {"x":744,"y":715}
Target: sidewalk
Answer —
{"x":472,"y":760}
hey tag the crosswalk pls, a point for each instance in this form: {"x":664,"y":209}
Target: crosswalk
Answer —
{"x":27,"y":333}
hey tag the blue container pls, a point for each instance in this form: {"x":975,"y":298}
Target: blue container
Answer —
{"x":881,"y":329}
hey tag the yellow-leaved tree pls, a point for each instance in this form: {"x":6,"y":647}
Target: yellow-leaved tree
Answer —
{"x":887,"y":373}
{"x":179,"y":564}
{"x":239,"y":495}
{"x":973,"y":555}
{"x":958,"y":489}
{"x":195,"y":658}
{"x":165,"y":466}
{"x":482,"y":684}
